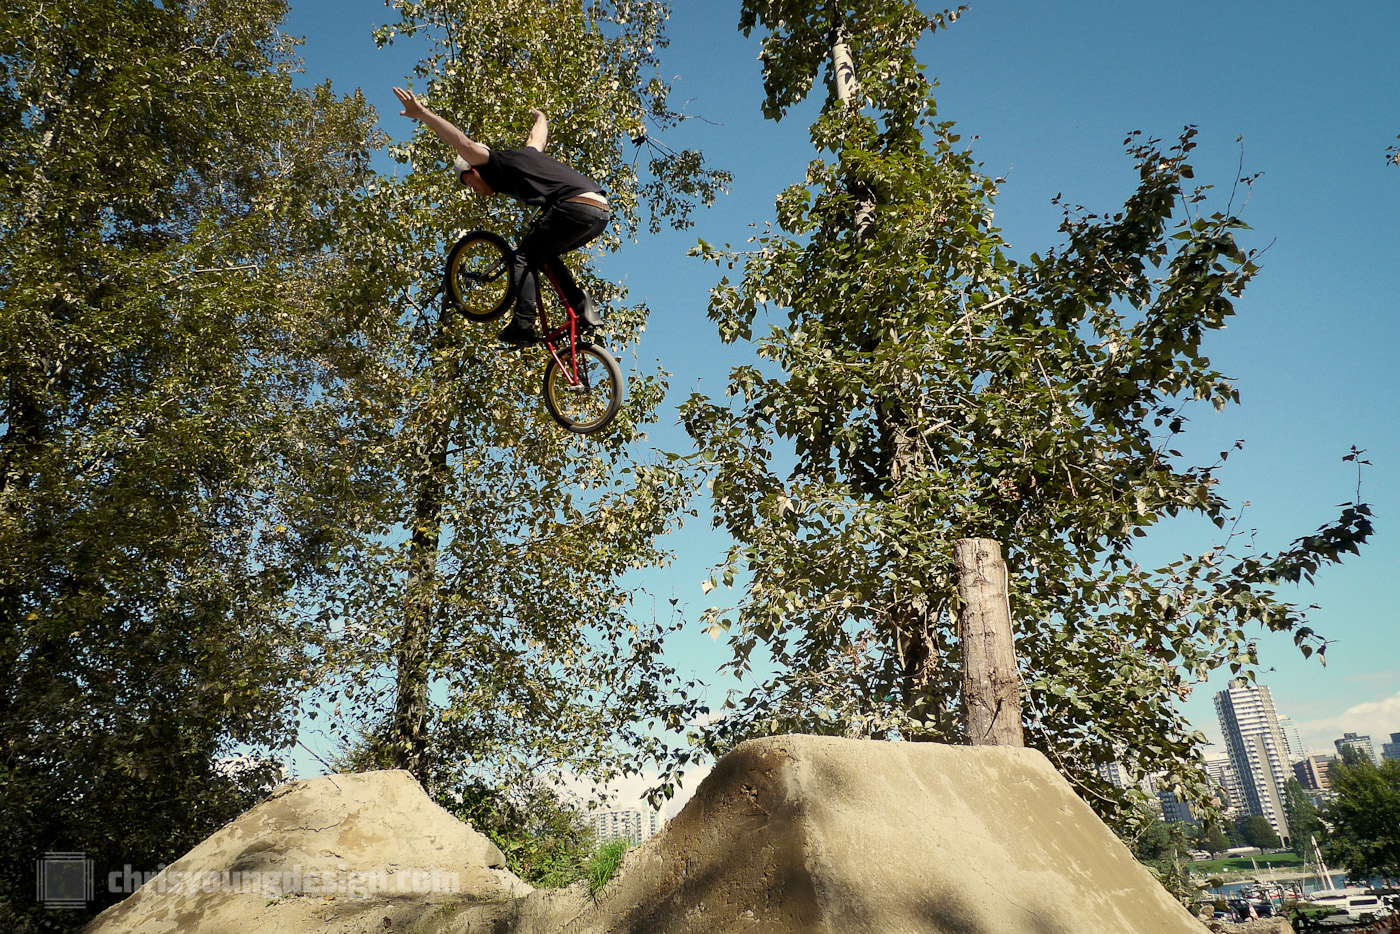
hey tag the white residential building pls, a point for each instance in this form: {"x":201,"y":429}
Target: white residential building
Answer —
{"x":1257,"y":748}
{"x":624,"y":824}
{"x":1114,"y":774}
{"x":1222,"y":776}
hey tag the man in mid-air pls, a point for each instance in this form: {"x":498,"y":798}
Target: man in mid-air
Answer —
{"x":574,"y":208}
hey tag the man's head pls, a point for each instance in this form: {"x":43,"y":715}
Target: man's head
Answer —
{"x":469,"y":177}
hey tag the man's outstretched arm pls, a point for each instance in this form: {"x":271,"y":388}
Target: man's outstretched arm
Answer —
{"x":475,"y":153}
{"x":539,"y":133}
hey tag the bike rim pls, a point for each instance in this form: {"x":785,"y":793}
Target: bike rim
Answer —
{"x":586,"y":403}
{"x":480,"y":278}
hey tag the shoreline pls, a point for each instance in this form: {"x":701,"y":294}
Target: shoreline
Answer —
{"x":1278,"y":875}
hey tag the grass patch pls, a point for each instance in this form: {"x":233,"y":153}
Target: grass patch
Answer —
{"x":1247,"y":863}
{"x":603,"y":865}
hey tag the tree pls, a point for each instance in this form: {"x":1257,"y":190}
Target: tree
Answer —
{"x":1211,"y":837}
{"x":1257,"y":831}
{"x":1304,"y":818}
{"x":924,"y":388}
{"x":1353,"y":756}
{"x":169,"y":411}
{"x":484,"y":633}
{"x":545,"y":840}
{"x":1365,"y":818}
{"x":1161,"y":847}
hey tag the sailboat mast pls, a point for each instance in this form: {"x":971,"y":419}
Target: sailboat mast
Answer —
{"x":1321,"y":866}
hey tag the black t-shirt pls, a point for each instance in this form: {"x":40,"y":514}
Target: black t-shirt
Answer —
{"x":529,"y":175}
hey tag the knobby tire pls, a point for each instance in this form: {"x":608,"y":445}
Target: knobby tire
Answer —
{"x":592,"y":404}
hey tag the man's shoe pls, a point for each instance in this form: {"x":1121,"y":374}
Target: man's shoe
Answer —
{"x":589,"y":314}
{"x":518,"y":332}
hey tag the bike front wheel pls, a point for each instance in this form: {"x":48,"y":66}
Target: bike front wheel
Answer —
{"x":478,"y":279}
{"x":584,"y":394}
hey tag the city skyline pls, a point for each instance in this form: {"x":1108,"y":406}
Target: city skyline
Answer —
{"x":1261,"y":758}
{"x":1374,"y":719}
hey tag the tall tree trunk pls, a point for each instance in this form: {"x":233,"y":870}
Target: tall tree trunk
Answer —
{"x":843,"y":69}
{"x":19,"y":449}
{"x":910,"y":617}
{"x":409,"y":735}
{"x":990,"y":684}
{"x":918,"y":657}
{"x":410,"y":731}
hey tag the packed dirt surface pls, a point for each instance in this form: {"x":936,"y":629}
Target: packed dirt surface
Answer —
{"x":788,"y":835}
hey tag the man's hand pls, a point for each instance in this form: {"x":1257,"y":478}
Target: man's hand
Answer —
{"x":469,"y":149}
{"x":412,"y":107}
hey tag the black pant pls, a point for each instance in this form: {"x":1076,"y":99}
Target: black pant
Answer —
{"x":564,"y":226}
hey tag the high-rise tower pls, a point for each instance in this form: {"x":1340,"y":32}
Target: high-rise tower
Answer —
{"x":1257,"y":748}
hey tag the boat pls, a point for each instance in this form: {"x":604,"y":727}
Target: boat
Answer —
{"x":1352,"y":900}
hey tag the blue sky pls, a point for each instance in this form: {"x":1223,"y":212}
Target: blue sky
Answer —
{"x":1045,"y":94}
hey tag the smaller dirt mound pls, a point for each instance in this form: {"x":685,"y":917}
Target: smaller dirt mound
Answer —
{"x":333,"y":855}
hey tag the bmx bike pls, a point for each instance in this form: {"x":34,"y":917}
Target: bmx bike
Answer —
{"x":582,"y":381}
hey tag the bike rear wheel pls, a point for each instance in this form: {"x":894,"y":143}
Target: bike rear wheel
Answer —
{"x":477,"y":279}
{"x":589,"y":402}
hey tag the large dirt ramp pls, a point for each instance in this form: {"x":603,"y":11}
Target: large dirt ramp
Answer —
{"x":835,"y":836}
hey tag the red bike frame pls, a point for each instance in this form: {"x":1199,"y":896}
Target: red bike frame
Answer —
{"x":569,"y":327}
